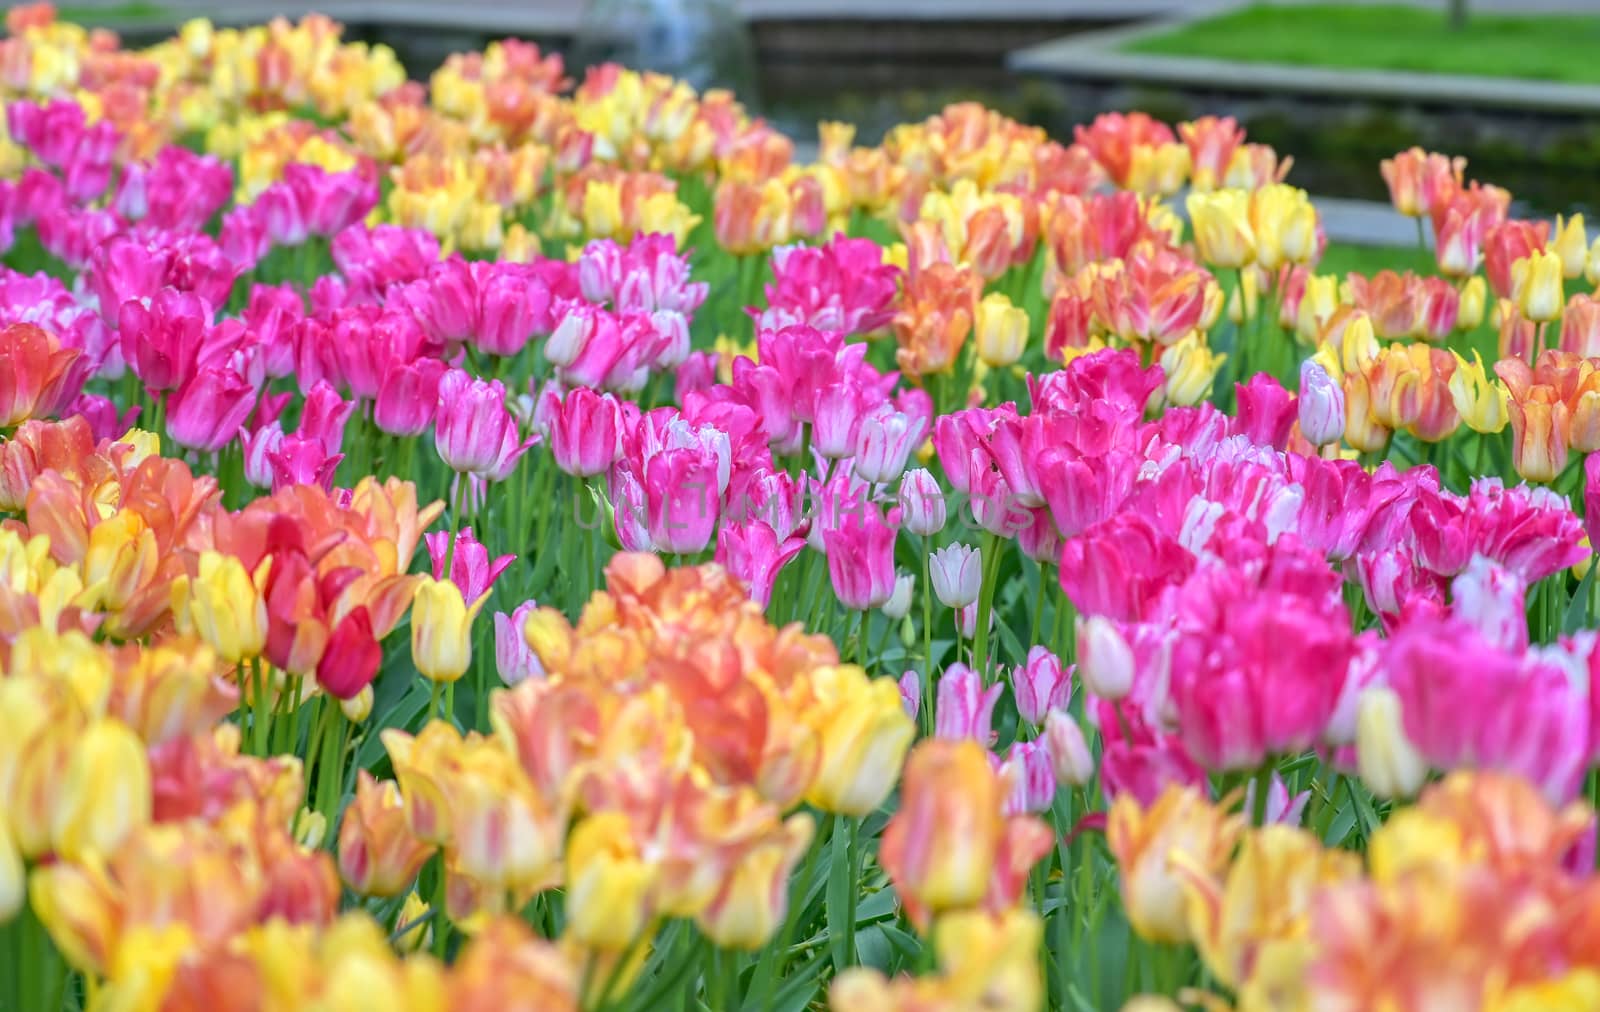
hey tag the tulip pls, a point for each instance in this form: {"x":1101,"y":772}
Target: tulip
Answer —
{"x":608,"y":883}
{"x":205,"y":413}
{"x":899,"y":604}
{"x":473,"y":432}
{"x":1389,"y":764}
{"x":1539,"y":444}
{"x":911,"y":692}
{"x":470,"y":567}
{"x":358,"y":707}
{"x":1190,"y":366}
{"x":441,"y":630}
{"x":753,"y":900}
{"x":1536,"y":286}
{"x":378,"y":855}
{"x":1321,"y":405}
{"x":957,"y":575}
{"x":921,"y":500}
{"x":837,"y":416}
{"x":586,"y":432}
{"x":1591,"y":499}
{"x":1070,"y":757}
{"x":1571,"y":244}
{"x":1180,"y":830}
{"x":753,"y":553}
{"x":1222,"y":230}
{"x":683,"y":500}
{"x":1482,"y":402}
{"x":352,"y":657}
{"x":1474,"y":295}
{"x":296,"y":461}
{"x":965,"y":708}
{"x":1040,"y":685}
{"x":1000,"y":330}
{"x":1284,"y":224}
{"x":860,"y":552}
{"x":106,"y":793}
{"x":863,"y":734}
{"x":223,"y":603}
{"x":37,"y":375}
{"x":1105,"y":660}
{"x":1032,"y":777}
{"x":408,"y":398}
{"x":884,"y":439}
{"x":941,"y":844}
{"x":514,"y":658}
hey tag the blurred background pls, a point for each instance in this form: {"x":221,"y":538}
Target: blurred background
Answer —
{"x":1511,"y":84}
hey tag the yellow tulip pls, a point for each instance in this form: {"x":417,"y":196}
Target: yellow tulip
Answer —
{"x":754,"y":897}
{"x":441,"y":630}
{"x":1001,"y":330}
{"x":602,"y":208}
{"x":1536,"y":286}
{"x":1481,"y":400}
{"x":1390,"y":765}
{"x":13,"y":879}
{"x":990,"y":961}
{"x":865,"y":733}
{"x":413,"y":939}
{"x":608,"y":883}
{"x":224,"y":606}
{"x":1190,"y":366}
{"x":1474,"y":299}
{"x":1571,"y":244}
{"x":1317,"y":304}
{"x":1181,"y":827}
{"x":1222,"y":232}
{"x":1285,"y":225}
{"x":106,"y":793}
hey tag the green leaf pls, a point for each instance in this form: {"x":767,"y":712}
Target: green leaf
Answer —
{"x":1577,"y":608}
{"x":801,"y":987}
{"x":841,"y":891}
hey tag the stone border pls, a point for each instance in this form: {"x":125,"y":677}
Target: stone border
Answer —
{"x":1097,"y":57}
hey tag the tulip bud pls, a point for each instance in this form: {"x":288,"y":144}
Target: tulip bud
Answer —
{"x":1389,"y":764}
{"x":1221,"y":223}
{"x":1000,"y":330}
{"x":1191,"y":366}
{"x":899,"y":603}
{"x":309,"y":828}
{"x":922,"y":506}
{"x":957,"y":575}
{"x":608,"y":883}
{"x":1321,"y":404}
{"x":358,"y":708}
{"x":413,"y":928}
{"x":1474,"y":298}
{"x":1069,"y":753}
{"x":911,"y":692}
{"x":1105,"y":660}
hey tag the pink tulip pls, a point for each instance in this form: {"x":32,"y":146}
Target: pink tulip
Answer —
{"x":1493,"y":599}
{"x":473,"y":432}
{"x":161,"y":337}
{"x":1117,"y":567}
{"x":1266,"y":411}
{"x":585,"y":431}
{"x":1137,"y":760}
{"x":471,"y":569}
{"x":408,"y":397}
{"x":753,"y":552}
{"x":513,"y":308}
{"x":300,"y":461}
{"x":884,"y":442}
{"x":1040,"y":685}
{"x":965,"y":708}
{"x":205,"y":413}
{"x":514,"y":659}
{"x":102,"y":415}
{"x":911,"y":693}
{"x":682,"y":500}
{"x":860,"y":549}
{"x":323,"y":417}
{"x":445,"y":301}
{"x":1070,"y":758}
{"x":1467,"y":704}
{"x":1591,"y":499}
{"x":838,"y":412}
{"x":630,"y":509}
{"x":1033,"y":778}
{"x":922,"y":506}
{"x":258,"y":449}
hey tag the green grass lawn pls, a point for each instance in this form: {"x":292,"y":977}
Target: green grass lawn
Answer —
{"x":1543,"y":47}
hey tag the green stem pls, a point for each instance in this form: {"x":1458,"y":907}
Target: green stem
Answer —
{"x":992,"y":546}
{"x":1263,"y":787}
{"x":927,"y":641}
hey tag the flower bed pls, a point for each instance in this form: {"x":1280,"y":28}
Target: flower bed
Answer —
{"x":934,"y":577}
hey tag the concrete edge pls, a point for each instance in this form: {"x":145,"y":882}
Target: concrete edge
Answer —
{"x":1097,"y":56}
